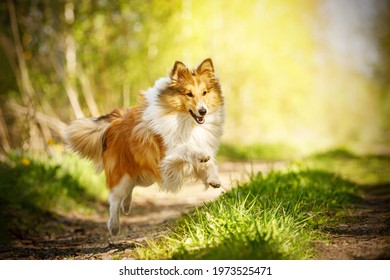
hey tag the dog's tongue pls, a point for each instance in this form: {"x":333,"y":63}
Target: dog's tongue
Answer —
{"x":200,"y":120}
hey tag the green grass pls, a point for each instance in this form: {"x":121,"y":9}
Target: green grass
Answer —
{"x":362,"y":169}
{"x":31,"y":188}
{"x":257,"y":152}
{"x":276,"y":216}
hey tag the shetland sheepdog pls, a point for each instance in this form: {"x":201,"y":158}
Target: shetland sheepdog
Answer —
{"x":171,"y":136}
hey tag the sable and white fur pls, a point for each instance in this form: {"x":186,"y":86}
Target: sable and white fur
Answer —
{"x":170,"y":137}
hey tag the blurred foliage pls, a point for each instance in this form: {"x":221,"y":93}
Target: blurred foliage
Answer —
{"x":282,"y":81}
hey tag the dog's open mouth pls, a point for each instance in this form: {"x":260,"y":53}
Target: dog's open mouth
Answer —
{"x":198,"y":119}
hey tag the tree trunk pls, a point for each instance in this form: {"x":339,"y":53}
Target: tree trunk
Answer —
{"x":88,"y":94}
{"x":26,"y":89}
{"x":4,"y":135}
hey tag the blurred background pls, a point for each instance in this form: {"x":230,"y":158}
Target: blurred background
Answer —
{"x":298,"y":76}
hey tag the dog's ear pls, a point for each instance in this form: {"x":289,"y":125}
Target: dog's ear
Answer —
{"x":206,"y":65}
{"x":177,"y":70}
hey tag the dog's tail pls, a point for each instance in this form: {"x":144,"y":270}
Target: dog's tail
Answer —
{"x":86,"y":136}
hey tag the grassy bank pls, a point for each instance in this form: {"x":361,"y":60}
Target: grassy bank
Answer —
{"x":276,"y":216}
{"x":257,"y":152}
{"x":362,"y":169}
{"x":33,"y":188}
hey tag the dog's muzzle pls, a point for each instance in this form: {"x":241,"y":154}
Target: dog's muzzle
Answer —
{"x":199,"y":119}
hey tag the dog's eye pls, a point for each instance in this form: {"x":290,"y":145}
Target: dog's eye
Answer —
{"x":190,"y":94}
{"x":204,"y":93}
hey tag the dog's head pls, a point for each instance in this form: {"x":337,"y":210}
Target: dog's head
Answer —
{"x":196,"y":92}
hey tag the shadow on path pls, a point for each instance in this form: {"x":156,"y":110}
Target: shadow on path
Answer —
{"x":365,"y":232}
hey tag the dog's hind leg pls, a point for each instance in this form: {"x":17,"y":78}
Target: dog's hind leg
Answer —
{"x":113,"y":222}
{"x":117,"y":195}
{"x":126,"y":201}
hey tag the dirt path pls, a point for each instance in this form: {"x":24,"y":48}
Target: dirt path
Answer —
{"x":365,"y":233}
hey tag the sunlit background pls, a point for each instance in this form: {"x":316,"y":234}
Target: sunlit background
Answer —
{"x":307,"y":75}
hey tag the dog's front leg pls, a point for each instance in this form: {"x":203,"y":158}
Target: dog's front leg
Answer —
{"x":179,"y":164}
{"x":208,"y":173}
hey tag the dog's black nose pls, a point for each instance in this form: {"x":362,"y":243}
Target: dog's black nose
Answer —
{"x":202,"y":111}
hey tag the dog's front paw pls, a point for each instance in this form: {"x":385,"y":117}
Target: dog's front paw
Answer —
{"x":203,"y":158}
{"x":215,"y":183}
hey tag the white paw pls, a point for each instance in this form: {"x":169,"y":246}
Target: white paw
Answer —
{"x":113,"y":227}
{"x":215,"y":183}
{"x":202,"y":158}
